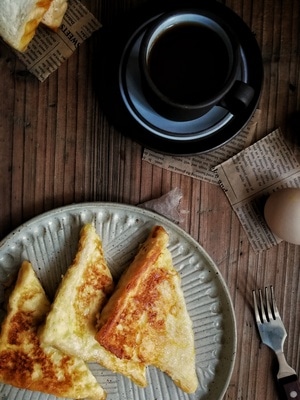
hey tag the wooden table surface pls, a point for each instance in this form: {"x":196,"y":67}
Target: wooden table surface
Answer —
{"x":57,"y":147}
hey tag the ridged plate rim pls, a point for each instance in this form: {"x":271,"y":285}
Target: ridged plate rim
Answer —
{"x":50,"y":240}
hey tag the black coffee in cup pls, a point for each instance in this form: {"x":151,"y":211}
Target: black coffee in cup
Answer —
{"x":189,"y":63}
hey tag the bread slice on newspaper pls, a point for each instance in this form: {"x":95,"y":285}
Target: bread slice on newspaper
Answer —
{"x":19,"y":20}
{"x":54,"y":15}
{"x":71,"y":324}
{"x":146,"y":318}
{"x":27,"y":363}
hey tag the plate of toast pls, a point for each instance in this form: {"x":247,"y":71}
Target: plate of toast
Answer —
{"x":111,"y":301}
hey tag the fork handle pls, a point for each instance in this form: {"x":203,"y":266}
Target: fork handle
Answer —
{"x":291,"y":387}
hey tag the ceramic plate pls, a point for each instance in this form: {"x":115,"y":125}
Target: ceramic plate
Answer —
{"x":50,"y":242}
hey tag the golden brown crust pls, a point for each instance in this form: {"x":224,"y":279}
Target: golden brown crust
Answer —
{"x":71,"y":324}
{"x":146,"y":319}
{"x":131,"y":286}
{"x":24,"y":361}
{"x":18,"y":369}
{"x":95,"y":282}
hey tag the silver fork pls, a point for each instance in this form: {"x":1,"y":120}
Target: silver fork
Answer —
{"x":273,"y":334}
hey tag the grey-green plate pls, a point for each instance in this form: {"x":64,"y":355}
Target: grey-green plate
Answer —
{"x":49,"y":242}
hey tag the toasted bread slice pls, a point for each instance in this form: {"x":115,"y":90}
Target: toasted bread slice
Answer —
{"x":71,"y":323}
{"x":146,"y":318}
{"x":27,"y":363}
{"x":19,"y":20}
{"x":54,"y":15}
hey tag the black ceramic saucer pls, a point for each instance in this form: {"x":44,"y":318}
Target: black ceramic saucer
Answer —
{"x":126,"y":107}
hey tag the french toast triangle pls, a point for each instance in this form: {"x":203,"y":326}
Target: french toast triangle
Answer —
{"x":71,"y":324}
{"x":146,"y":318}
{"x":24,"y":361}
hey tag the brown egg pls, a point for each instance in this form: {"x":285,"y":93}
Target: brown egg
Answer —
{"x":282,"y":214}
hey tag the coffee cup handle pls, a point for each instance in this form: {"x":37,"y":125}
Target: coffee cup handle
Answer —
{"x":238,"y":98}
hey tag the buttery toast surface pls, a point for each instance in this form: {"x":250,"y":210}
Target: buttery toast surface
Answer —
{"x":19,"y":20}
{"x":71,"y":324}
{"x":25,"y":362}
{"x":146,"y":320}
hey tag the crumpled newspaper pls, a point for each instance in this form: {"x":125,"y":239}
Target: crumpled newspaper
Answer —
{"x":167,"y":205}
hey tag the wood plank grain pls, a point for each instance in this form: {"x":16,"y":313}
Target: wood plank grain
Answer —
{"x":57,"y":147}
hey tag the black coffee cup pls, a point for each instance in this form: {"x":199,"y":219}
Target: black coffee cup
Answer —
{"x":189,"y":62}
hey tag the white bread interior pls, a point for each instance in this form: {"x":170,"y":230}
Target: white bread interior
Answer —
{"x":54,"y":15}
{"x":19,"y":20}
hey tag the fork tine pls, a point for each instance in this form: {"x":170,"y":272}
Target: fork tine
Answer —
{"x":265,"y":307}
{"x":256,"y":310}
{"x":262,"y":308}
{"x":269,"y":308}
{"x":274,"y":305}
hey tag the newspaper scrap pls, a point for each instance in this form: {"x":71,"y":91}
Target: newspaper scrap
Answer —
{"x":200,"y":166}
{"x":249,"y":177}
{"x":49,"y":49}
